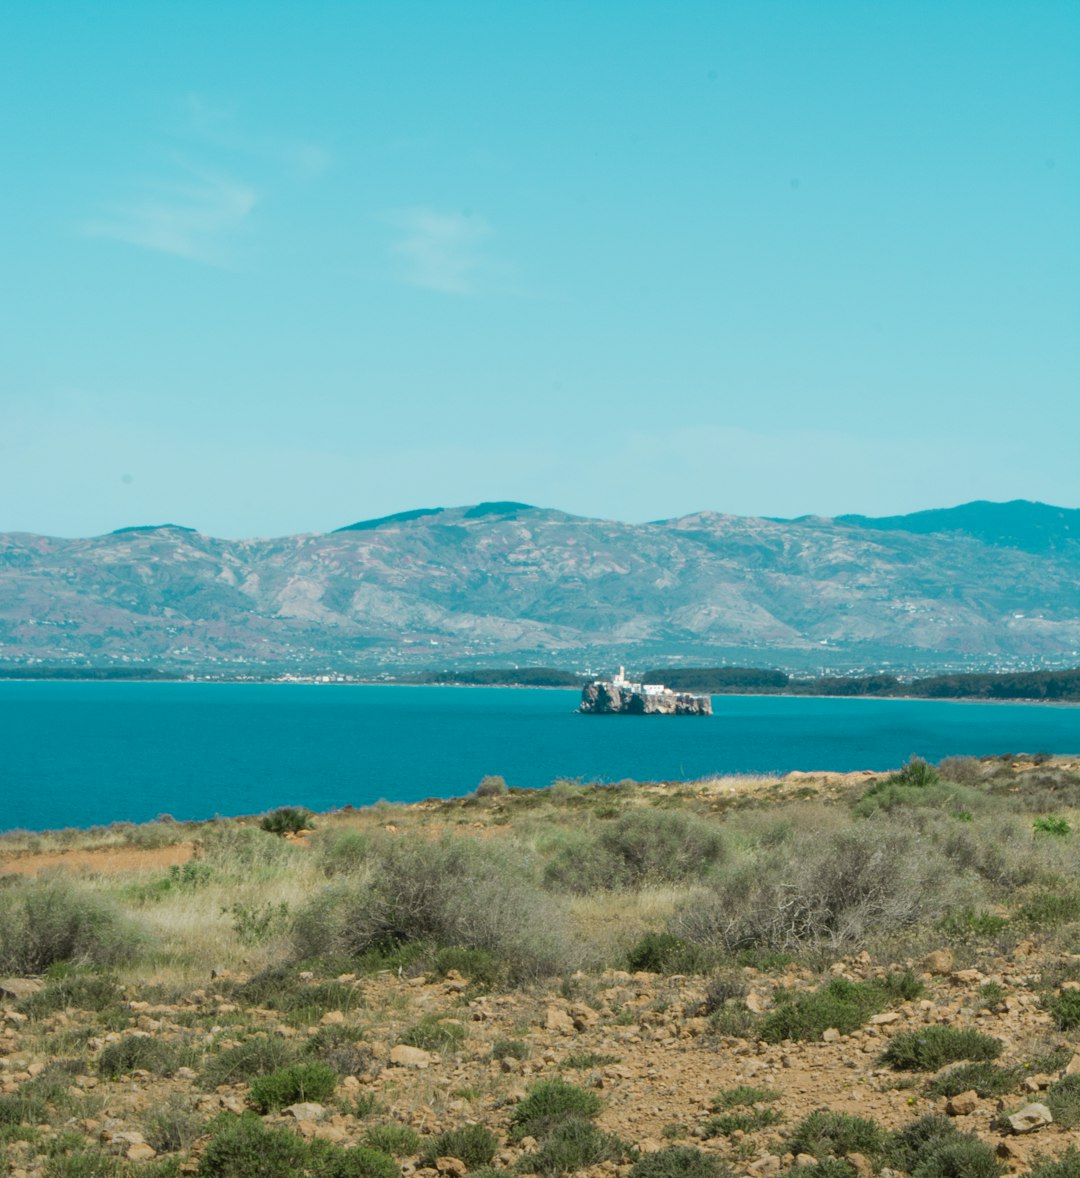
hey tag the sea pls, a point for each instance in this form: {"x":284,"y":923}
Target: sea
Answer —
{"x":86,"y":754}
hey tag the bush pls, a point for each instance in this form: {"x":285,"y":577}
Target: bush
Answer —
{"x":138,"y":1053}
{"x":933,"y":1047}
{"x":747,"y":1121}
{"x":257,"y":1056}
{"x":1065,"y":1007}
{"x":831,"y":890}
{"x":1063,"y":1100}
{"x":510,"y":1049}
{"x":472,"y":1144}
{"x":242,"y":1147}
{"x":491,"y":787}
{"x":679,"y":1161}
{"x":481,"y":967}
{"x":742,"y":1094}
{"x":79,"y":991}
{"x":666,"y":953}
{"x":1051,"y":908}
{"x":1051,"y":825}
{"x":173,"y":1126}
{"x":47,"y":921}
{"x":83,"y":1163}
{"x":293,"y":1084}
{"x":358,"y":1162}
{"x":397,"y":1140}
{"x":573,"y":1145}
{"x":637,"y":848}
{"x":827,"y":1134}
{"x":287,"y":820}
{"x":455,"y":892}
{"x":433,"y":1033}
{"x":548,"y":1102}
{"x":986,"y":1079}
{"x":932,"y":1147}
{"x":839,"y":1003}
{"x":341,"y":852}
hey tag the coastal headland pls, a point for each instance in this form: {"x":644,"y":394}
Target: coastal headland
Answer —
{"x":831,"y":973}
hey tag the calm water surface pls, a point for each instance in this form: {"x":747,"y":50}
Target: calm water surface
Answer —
{"x":78,"y":754}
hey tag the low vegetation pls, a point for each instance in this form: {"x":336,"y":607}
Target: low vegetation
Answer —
{"x":644,"y":979}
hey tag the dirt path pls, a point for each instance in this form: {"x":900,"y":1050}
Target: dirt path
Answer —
{"x":105,"y":861}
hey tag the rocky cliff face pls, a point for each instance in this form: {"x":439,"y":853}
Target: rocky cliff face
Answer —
{"x":609,"y":699}
{"x":502,"y":583}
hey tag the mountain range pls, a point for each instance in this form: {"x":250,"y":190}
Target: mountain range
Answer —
{"x":980,"y":586}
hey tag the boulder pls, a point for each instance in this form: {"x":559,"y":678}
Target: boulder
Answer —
{"x":1029,"y":1118}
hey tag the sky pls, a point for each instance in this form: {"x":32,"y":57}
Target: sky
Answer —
{"x":271,"y":267}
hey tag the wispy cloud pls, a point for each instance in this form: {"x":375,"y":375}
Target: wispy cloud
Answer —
{"x":191,"y":215}
{"x":219,"y":125}
{"x":441,"y":251}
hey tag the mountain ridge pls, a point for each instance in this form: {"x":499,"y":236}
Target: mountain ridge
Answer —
{"x":503,"y":579}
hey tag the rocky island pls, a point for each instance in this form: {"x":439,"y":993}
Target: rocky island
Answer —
{"x":620,"y":697}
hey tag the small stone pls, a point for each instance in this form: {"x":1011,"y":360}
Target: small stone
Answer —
{"x":410,"y":1057}
{"x":830,"y":1035}
{"x":333,"y":1018}
{"x":141,"y":1152}
{"x":305,"y":1111}
{"x":967,"y":976}
{"x":558,"y":1020}
{"x":18,"y":988}
{"x":756,"y":1003}
{"x":881,"y":1020}
{"x":1029,"y":1118}
{"x":939,"y":962}
{"x":963,"y":1104}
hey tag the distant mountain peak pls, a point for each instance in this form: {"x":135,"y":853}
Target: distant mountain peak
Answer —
{"x":1020,"y":523}
{"x":398,"y":517}
{"x":151,"y":528}
{"x":506,"y":507}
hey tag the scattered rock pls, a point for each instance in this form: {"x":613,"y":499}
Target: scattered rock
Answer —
{"x":558,"y":1020}
{"x":305,"y":1111}
{"x":939,"y":962}
{"x":1029,"y":1118}
{"x":963,"y":1104}
{"x":410,"y":1057}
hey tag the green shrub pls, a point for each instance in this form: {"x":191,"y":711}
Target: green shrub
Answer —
{"x":574,"y":1145}
{"x":341,"y":851}
{"x":933,"y":1047}
{"x":1051,"y":908}
{"x":472,"y":1144}
{"x":1063,"y":1100}
{"x":455,"y":892}
{"x":986,"y":1079}
{"x":83,"y":1163}
{"x":359,"y":1162}
{"x":826,"y":1168}
{"x":548,"y":1102}
{"x":839,"y":1003}
{"x":510,"y":1049}
{"x":138,"y":1053}
{"x":1065,"y":1007}
{"x":287,"y":820}
{"x":742,"y":1094}
{"x":74,"y":990}
{"x":637,"y":848}
{"x":395,"y":1139}
{"x":242,"y":1147}
{"x":743,"y":1121}
{"x":666,"y":953}
{"x":827,"y":1134}
{"x":48,"y":921}
{"x":833,"y":890}
{"x":293,"y":1084}
{"x":724,"y":987}
{"x":491,"y":787}
{"x":173,"y":1125}
{"x":1048,"y":824}
{"x":435,"y":1034}
{"x":232,"y":849}
{"x":480,"y":966}
{"x":679,"y":1161}
{"x":257,"y":1056}
{"x":932,"y":1147}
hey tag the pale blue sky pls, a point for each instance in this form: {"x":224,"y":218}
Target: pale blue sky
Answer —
{"x":271,"y":267}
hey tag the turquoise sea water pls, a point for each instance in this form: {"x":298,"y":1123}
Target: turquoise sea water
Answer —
{"x":80,"y":754}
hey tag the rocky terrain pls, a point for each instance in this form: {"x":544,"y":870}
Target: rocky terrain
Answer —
{"x":982,"y":585}
{"x":942,"y":1043}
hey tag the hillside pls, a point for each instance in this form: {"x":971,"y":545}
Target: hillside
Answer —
{"x":956,"y":588}
{"x":821,"y":976}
